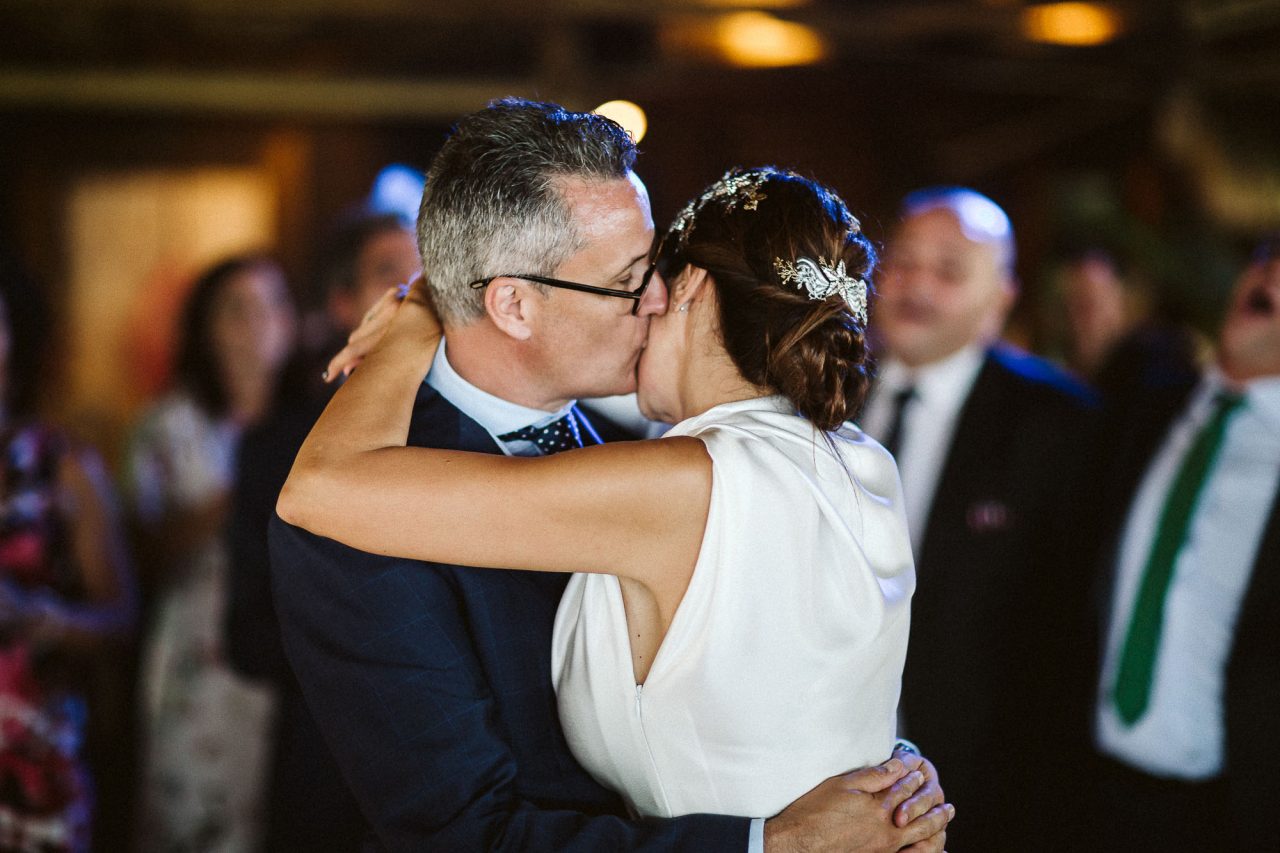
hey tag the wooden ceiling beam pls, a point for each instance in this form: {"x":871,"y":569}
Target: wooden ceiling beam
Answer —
{"x":253,"y":95}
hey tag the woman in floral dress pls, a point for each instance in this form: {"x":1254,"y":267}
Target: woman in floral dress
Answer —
{"x":204,"y":728}
{"x":66,"y":592}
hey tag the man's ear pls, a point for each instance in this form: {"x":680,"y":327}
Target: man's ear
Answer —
{"x":512,"y":304}
{"x":1009,"y":290}
{"x":1007,"y":295}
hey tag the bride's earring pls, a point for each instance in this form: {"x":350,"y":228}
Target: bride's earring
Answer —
{"x":684,"y":309}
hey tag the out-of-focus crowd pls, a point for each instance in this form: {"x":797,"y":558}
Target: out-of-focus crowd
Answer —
{"x":144,"y":698}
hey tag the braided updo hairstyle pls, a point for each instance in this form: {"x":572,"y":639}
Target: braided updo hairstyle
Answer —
{"x":812,"y":351}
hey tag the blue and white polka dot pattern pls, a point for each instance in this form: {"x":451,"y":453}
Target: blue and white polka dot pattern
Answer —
{"x":561,"y":434}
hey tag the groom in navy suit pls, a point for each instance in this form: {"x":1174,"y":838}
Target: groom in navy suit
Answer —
{"x":432,"y":683}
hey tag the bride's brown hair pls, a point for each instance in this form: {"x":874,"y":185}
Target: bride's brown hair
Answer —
{"x":812,"y":351}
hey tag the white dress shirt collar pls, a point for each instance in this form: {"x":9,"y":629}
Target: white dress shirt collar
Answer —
{"x":1262,"y":395}
{"x":945,"y":384}
{"x":496,"y":415}
{"x":928,"y":423}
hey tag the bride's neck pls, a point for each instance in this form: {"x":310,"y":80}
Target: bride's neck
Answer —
{"x":713,"y":380}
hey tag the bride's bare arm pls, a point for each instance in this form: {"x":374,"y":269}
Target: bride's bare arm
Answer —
{"x":635,"y":509}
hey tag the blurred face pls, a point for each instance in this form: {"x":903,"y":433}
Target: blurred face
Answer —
{"x":388,"y":258}
{"x":939,"y":290}
{"x":252,"y":326}
{"x":1097,"y":313}
{"x":1250,"y":346}
{"x":588,"y":344}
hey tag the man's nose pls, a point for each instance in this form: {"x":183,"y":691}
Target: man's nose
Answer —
{"x":654,"y":300}
{"x":906,"y":280}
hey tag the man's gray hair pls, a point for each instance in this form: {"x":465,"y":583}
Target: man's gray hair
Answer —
{"x":493,"y":203}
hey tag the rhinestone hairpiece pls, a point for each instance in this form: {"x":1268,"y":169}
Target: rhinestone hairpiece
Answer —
{"x":822,"y":280}
{"x":733,"y":188}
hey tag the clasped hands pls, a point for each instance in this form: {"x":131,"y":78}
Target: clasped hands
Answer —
{"x":895,"y":806}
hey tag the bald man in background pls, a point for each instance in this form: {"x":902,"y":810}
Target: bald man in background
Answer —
{"x":987,"y":439}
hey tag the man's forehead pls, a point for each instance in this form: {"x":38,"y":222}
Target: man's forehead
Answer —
{"x":938,"y":235}
{"x":942,"y":229}
{"x":611,"y":211}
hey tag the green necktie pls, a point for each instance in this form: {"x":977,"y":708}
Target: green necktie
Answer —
{"x":1141,"y":644}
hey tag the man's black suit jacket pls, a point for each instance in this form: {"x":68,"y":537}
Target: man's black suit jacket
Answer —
{"x":983,"y":677}
{"x":432,"y":686}
{"x":1132,"y":436}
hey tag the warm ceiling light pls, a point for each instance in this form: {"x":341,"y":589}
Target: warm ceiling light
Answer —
{"x":759,"y":40}
{"x":1074,"y":24}
{"x":627,"y":114}
{"x":753,"y":4}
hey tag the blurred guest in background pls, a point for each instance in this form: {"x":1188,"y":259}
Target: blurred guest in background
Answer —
{"x":66,"y":591}
{"x":204,"y":728}
{"x":1190,"y":549}
{"x":308,"y":805}
{"x":987,"y":439}
{"x":1115,"y":337}
{"x":1100,"y":306}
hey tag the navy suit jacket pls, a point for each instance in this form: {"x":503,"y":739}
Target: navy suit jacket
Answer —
{"x":432,"y":686}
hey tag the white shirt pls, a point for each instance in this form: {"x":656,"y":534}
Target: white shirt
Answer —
{"x":928,"y":423}
{"x":1182,"y":733}
{"x":496,"y":415}
{"x":783,"y":663}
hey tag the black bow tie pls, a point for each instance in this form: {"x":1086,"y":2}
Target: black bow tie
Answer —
{"x":561,"y":434}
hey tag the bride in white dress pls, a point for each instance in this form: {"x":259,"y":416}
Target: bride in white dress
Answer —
{"x":738,"y":624}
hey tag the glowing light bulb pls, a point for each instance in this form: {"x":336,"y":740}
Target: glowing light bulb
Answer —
{"x":627,"y":114}
{"x":1071,"y":24}
{"x":759,"y":40}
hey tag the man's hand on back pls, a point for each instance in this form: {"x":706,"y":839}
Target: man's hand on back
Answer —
{"x":881,"y":809}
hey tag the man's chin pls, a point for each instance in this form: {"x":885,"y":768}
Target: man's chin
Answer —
{"x":1250,"y":350}
{"x":619,"y":389}
{"x":911,"y":351}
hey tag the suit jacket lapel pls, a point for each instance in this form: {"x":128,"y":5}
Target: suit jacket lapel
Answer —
{"x":438,"y":423}
{"x":975,"y":443}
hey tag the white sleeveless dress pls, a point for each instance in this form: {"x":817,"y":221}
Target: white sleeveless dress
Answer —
{"x":782,"y":665}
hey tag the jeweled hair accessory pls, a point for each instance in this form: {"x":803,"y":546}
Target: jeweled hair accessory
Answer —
{"x":736,"y":186}
{"x":821,"y":280}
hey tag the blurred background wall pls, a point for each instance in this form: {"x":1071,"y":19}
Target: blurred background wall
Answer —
{"x":142,"y":139}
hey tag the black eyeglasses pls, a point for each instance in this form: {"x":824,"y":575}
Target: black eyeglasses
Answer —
{"x":634,"y":295}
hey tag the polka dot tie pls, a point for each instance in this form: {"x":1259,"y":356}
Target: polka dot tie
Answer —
{"x":561,"y":434}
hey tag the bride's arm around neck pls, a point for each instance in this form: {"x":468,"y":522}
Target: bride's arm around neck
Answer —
{"x":635,"y":509}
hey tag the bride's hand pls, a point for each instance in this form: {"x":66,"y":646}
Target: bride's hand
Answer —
{"x":376,"y":322}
